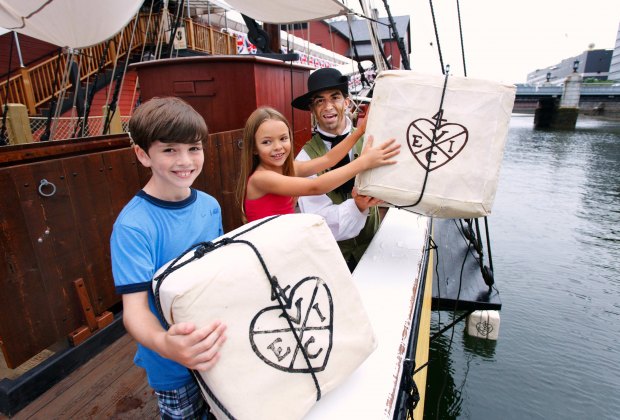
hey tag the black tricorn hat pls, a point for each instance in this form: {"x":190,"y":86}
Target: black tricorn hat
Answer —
{"x":320,"y":80}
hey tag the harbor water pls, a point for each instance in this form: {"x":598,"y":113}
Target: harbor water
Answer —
{"x":555,"y":231}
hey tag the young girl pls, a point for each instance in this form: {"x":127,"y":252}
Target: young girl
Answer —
{"x":270,"y":178}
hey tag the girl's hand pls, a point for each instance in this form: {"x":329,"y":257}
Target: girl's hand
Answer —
{"x":375,"y":157}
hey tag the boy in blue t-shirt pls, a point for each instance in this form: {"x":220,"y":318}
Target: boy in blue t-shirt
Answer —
{"x":164,"y":219}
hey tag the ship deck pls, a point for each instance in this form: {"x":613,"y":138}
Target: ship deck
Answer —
{"x":109,"y":386}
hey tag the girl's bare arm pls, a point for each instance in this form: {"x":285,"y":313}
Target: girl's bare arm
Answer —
{"x":333,"y":156}
{"x":264,"y":181}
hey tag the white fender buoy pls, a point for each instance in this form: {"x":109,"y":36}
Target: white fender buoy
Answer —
{"x":483,"y":324}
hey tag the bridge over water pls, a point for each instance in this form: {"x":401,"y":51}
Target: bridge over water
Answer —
{"x":596,"y":98}
{"x":587,"y":89}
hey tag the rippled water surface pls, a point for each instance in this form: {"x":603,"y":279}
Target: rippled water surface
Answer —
{"x":555,"y":232}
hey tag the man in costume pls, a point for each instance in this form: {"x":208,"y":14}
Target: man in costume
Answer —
{"x":352,"y":218}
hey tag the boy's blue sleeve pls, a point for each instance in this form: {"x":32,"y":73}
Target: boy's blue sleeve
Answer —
{"x":132,"y":261}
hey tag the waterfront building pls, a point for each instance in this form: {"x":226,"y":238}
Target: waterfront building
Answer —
{"x":337,"y":36}
{"x":591,"y":64}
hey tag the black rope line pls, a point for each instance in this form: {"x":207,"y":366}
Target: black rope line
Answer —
{"x":438,"y":121}
{"x":54,"y":102}
{"x":437,"y":38}
{"x":422,"y":366}
{"x":200,"y":250}
{"x":356,"y":54}
{"x":175,"y":26}
{"x":467,"y":239}
{"x":276,"y":291}
{"x":458,"y":9}
{"x":112,"y":106}
{"x":433,"y":246}
{"x":412,"y":392}
{"x":475,"y":239}
{"x":93,"y":89}
{"x":486,"y":228}
{"x":397,"y":38}
{"x":408,"y":387}
{"x":479,"y":244}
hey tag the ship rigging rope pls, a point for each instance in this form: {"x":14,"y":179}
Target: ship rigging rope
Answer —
{"x":91,"y":93}
{"x":116,"y":53}
{"x":470,"y":240}
{"x":354,"y":48}
{"x":173,"y":31}
{"x":76,"y":86}
{"x":56,"y":105}
{"x":203,"y":248}
{"x":458,"y":10}
{"x":48,"y":124}
{"x":437,"y":36}
{"x":146,"y":31}
{"x":112,"y":105}
{"x":487,"y":273}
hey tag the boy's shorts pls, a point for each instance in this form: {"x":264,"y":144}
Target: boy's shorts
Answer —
{"x":182,"y":403}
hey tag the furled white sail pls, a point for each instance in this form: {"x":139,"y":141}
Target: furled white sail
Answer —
{"x":288,"y":11}
{"x":68,"y":23}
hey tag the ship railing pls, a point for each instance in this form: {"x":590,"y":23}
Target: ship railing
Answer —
{"x":70,"y":127}
{"x":36,"y":85}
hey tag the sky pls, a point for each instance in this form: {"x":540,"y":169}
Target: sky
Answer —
{"x":505,"y":40}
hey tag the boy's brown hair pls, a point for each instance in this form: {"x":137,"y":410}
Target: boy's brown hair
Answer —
{"x":167,"y":119}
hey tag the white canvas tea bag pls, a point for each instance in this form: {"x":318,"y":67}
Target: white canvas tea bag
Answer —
{"x":470,"y":127}
{"x":263,"y":371}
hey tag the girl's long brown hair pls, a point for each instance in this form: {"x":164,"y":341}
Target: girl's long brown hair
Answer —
{"x":249,"y":155}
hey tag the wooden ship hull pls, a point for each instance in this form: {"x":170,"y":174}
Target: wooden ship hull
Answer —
{"x":58,"y":299}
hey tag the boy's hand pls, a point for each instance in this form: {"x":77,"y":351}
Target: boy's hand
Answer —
{"x":374,"y":157}
{"x":196,"y":349}
{"x":364,"y":202}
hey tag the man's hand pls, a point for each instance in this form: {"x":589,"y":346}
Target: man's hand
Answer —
{"x":361,"y":122}
{"x":363,"y":202}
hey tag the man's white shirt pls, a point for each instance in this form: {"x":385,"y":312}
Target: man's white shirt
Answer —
{"x":344,"y":220}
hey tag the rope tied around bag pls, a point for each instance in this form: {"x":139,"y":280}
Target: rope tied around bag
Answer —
{"x":438,"y":120}
{"x":200,"y":250}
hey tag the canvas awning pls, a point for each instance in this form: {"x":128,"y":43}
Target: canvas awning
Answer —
{"x":287,"y":11}
{"x":68,"y":23}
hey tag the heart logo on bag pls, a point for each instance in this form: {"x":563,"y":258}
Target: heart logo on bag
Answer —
{"x":310,"y":309}
{"x":450,"y":139}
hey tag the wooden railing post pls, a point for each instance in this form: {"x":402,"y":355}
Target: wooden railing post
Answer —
{"x":18,"y":124}
{"x":211,"y":41}
{"x":232,"y":44}
{"x":190,"y":27}
{"x":112,"y":51}
{"x":28,"y":91}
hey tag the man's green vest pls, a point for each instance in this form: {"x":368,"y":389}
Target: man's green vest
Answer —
{"x":355,"y":247}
